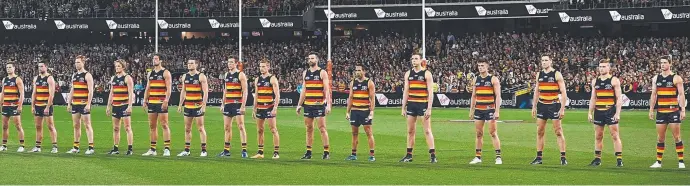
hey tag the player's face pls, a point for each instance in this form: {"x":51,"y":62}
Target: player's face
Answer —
{"x":359,"y":72}
{"x":42,"y":68}
{"x":483,"y":67}
{"x":79,"y":64}
{"x":119,"y":68}
{"x":191,"y":65}
{"x":312,"y":60}
{"x":665,"y":64}
{"x":604,"y":68}
{"x":263,"y":68}
{"x":156,"y":60}
{"x":232,"y":64}
{"x":545,"y":62}
{"x":416,"y":60}
{"x":9,"y":68}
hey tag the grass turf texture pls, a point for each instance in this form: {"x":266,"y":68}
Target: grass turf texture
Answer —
{"x":454,"y":144}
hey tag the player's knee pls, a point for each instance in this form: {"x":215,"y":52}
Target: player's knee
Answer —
{"x":355,"y":134}
{"x":480,"y":134}
{"x":116,"y":129}
{"x":241,"y":127}
{"x":411,"y":132}
{"x":274,"y":130}
{"x":39,"y":127}
{"x":559,"y":133}
{"x":427,"y":131}
{"x":322,"y":130}
{"x":259,"y":130}
{"x":51,"y":128}
{"x":493,"y":134}
{"x":368,"y":132}
{"x":600,"y":137}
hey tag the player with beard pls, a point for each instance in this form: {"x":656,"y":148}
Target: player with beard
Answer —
{"x":316,"y":96}
{"x":42,"y":98}
{"x":156,"y":97}
{"x":12,"y":97}
{"x":360,"y":110}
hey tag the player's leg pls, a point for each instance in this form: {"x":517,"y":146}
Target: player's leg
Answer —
{"x":321,"y":123}
{"x":153,"y":134}
{"x":309,"y":126}
{"x":227,"y":126}
{"x":272,"y":124}
{"x":355,"y":142}
{"x":493,"y":131}
{"x":675,"y":131}
{"x":411,"y":134}
{"x":76,"y":125}
{"x":116,"y":135}
{"x":560,"y":138}
{"x":260,"y":138}
{"x":86,"y":120}
{"x":187,"y":136}
{"x":541,"y":127}
{"x":660,"y":145}
{"x":478,"y":141}
{"x":165,"y":126}
{"x":370,"y":138}
{"x":243,"y":134}
{"x":202,"y":134}
{"x":127,"y":120}
{"x":20,"y":131}
{"x":598,"y":144}
{"x":5,"y":132}
{"x":53,"y":132}
{"x":38,"y":122}
{"x":617,"y":144}
{"x":426,"y":125}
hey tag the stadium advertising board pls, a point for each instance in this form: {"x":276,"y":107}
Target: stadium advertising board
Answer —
{"x":146,"y":24}
{"x":631,"y":15}
{"x":433,"y":12}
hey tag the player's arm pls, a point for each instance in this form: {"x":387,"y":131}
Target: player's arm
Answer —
{"x":652,"y":98}
{"x":473,"y":98}
{"x":51,"y":91}
{"x":146,"y":91}
{"x":89,"y":85}
{"x":183,"y":92}
{"x":110,"y":94}
{"x":406,"y":90}
{"x":20,"y":87}
{"x":592,"y":100}
{"x":2,"y":93}
{"x":429,"y":89}
{"x":681,"y":94}
{"x":497,"y":93}
{"x":33,"y":93}
{"x":130,"y":91}
{"x":243,"y":82}
{"x":349,"y":98}
{"x":561,"y":87}
{"x":372,"y":96}
{"x":71,"y":95}
{"x":168,"y":88}
{"x":204,"y":89}
{"x":326,"y":88}
{"x":276,"y":92}
{"x":535,"y":97}
{"x":302,"y":94}
{"x":617,"y":92}
{"x":256,"y":94}
{"x":225,"y":91}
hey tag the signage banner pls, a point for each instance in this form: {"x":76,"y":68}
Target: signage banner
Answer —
{"x":434,"y":12}
{"x":630,"y":15}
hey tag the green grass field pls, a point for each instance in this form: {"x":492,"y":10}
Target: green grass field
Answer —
{"x":454,"y":144}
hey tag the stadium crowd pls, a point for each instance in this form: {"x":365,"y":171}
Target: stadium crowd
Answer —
{"x":452,"y":58}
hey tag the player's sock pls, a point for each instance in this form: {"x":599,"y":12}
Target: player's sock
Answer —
{"x":354,"y":152}
{"x":276,"y":149}
{"x":244,"y":147}
{"x":186,"y":146}
{"x":371,"y":152}
{"x":619,"y":155}
{"x":660,"y":151}
{"x":21,"y":143}
{"x":562,"y":155}
{"x":478,"y":153}
{"x":409,"y":151}
{"x":38,"y":144}
{"x":261,"y":150}
{"x":326,"y":149}
{"x":539,"y":154}
{"x":308,"y":150}
{"x":203,"y":147}
{"x":90,"y":146}
{"x":432,"y":152}
{"x":75,"y":145}
{"x":153,"y":146}
{"x":597,"y":154}
{"x":166,"y":143}
{"x":227,"y":147}
{"x":679,"y":149}
{"x":4,"y":143}
{"x":55,"y":145}
{"x":115,"y":148}
{"x":498,"y":153}
{"x":129,"y":147}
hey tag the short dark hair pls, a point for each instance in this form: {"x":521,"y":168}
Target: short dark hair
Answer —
{"x":483,"y":60}
{"x":359,"y":65}
{"x":264,"y":60}
{"x":547,"y":55}
{"x":232,"y":57}
{"x":160,"y":56}
{"x":416,"y":54}
{"x":667,"y":58}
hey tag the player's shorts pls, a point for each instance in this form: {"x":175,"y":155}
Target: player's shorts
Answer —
{"x":416,"y":108}
{"x":79,"y":109}
{"x":38,"y":111}
{"x":314,"y":111}
{"x":264,"y":113}
{"x":10,"y":111}
{"x":193,"y":112}
{"x":359,"y":117}
{"x":484,"y":115}
{"x":156,"y":108}
{"x":232,"y":109}
{"x":548,"y":111}
{"x":120,"y":111}
{"x":666,"y":118}
{"x":605,"y":117}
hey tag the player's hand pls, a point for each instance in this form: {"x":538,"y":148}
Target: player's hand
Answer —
{"x":534,"y":113}
{"x":561,"y":114}
{"x":651,"y":115}
{"x":682,"y":115}
{"x":274,"y":112}
{"x":87,"y":108}
{"x":298,"y":110}
{"x":328,"y":110}
{"x":427,"y":114}
{"x":46,"y":111}
{"x":164,"y":106}
{"x":145,"y":105}
{"x":129,"y":110}
{"x":69,"y":107}
{"x":254,"y":115}
{"x":222,"y":107}
{"x":179,"y":109}
{"x":590,"y":118}
{"x":19,"y":110}
{"x":402,"y":113}
{"x":242,"y":110}
{"x":371,"y":115}
{"x":33,"y":110}
{"x":496,"y":115}
{"x":107,"y":111}
{"x":347,"y":116}
{"x":617,"y":117}
{"x":203,"y":109}
{"x":470,"y":115}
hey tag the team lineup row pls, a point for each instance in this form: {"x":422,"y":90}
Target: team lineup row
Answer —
{"x":667,"y":94}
